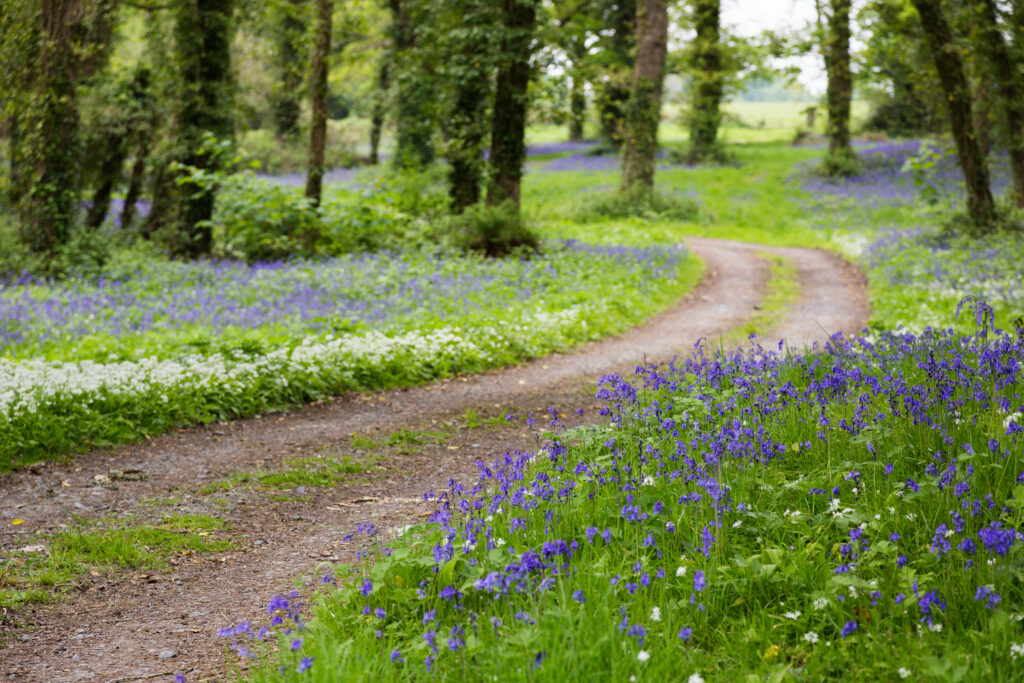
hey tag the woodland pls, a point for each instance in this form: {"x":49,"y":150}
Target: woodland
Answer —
{"x":512,"y":340}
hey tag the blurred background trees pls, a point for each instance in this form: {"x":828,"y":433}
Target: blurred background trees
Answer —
{"x":133,"y":114}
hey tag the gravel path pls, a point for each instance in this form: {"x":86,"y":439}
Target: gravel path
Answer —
{"x":124,"y":626}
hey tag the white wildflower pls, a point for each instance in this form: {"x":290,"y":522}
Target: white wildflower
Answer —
{"x":792,"y":615}
{"x":680,"y":570}
{"x":655,"y":613}
{"x":820,"y":604}
{"x":904,"y":672}
{"x":695,"y":678}
{"x":1016,"y":650}
{"x":643,"y":655}
{"x":811,"y":637}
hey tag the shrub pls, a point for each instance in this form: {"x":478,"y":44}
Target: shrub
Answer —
{"x":259,"y":221}
{"x":637,"y":203}
{"x":494,"y":230}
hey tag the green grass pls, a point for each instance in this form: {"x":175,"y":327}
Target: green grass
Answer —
{"x":319,"y":471}
{"x":103,"y":545}
{"x":781,"y":292}
{"x":785,"y":467}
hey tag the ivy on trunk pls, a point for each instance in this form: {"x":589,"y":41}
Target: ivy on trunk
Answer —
{"x":644,"y":112}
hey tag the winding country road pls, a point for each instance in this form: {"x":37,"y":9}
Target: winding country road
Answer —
{"x":128,"y":626}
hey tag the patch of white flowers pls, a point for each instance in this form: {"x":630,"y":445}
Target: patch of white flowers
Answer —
{"x":28,"y":387}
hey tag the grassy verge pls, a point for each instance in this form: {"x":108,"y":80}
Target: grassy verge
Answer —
{"x":741,"y":517}
{"x":55,"y":408}
{"x":44,"y":566}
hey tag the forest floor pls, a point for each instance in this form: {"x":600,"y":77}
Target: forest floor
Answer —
{"x":133,"y":624}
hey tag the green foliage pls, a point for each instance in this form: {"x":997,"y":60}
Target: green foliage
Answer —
{"x":105,"y":544}
{"x":274,"y":155}
{"x":495,"y":231}
{"x":319,"y":471}
{"x":639,"y":202}
{"x":839,"y":165}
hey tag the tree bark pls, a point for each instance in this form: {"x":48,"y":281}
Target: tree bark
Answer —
{"x":839,"y":91}
{"x":286,"y":104}
{"x":202,"y":37}
{"x":318,"y":102}
{"x":414,"y":146}
{"x":377,"y":117}
{"x":508,"y":122}
{"x":958,"y":99}
{"x":644,"y":113}
{"x":577,"y":96}
{"x":466,"y":124}
{"x":706,"y":69}
{"x":1008,"y":85}
{"x":613,"y":90}
{"x":46,"y":153}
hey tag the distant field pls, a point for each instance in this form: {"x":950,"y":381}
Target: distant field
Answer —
{"x":757,"y":122}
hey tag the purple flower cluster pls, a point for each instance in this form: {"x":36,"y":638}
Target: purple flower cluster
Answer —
{"x":339,"y":294}
{"x":526,"y":537}
{"x":882,"y":178}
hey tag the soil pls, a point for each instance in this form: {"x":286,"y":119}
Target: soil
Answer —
{"x":139,"y":625}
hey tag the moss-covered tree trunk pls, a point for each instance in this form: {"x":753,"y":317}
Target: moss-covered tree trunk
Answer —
{"x":614,"y":86}
{"x":203,"y":31}
{"x":287,"y":29}
{"x":644,"y":113}
{"x":708,"y":85}
{"x":508,"y":122}
{"x":379,"y":108}
{"x":1008,"y":85}
{"x":318,"y":101}
{"x":839,"y":91}
{"x":468,"y":70}
{"x":66,"y":36}
{"x":414,"y":126}
{"x":577,"y":94}
{"x":958,"y":100}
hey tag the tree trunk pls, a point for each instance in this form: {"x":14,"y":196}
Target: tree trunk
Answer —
{"x":1008,"y":85}
{"x":466,"y":125}
{"x":135,"y":180}
{"x":318,"y":102}
{"x":47,"y":158}
{"x":613,"y":90}
{"x":980,"y":103}
{"x":706,"y":69}
{"x":577,"y":95}
{"x":377,"y":118}
{"x":644,"y":113}
{"x":288,"y":30}
{"x":839,"y":91}
{"x":508,"y":122}
{"x":958,"y":99}
{"x":202,"y":37}
{"x":110,"y":174}
{"x":414,"y":145}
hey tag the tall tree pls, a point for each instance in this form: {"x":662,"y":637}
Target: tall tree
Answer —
{"x":644,"y":112}
{"x":380,"y":97}
{"x":577,"y":93}
{"x":286,"y":31}
{"x":508,"y":122}
{"x":203,"y":92}
{"x":993,"y":46}
{"x":950,"y":69}
{"x":414,"y":125}
{"x":707,"y":71}
{"x":318,"y":101}
{"x":467,"y":67}
{"x":49,"y":46}
{"x":615,"y":58}
{"x":839,"y":90}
